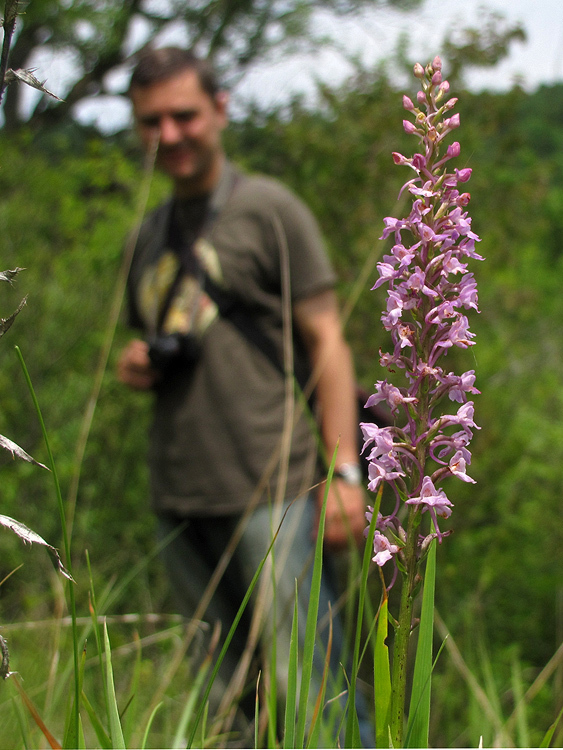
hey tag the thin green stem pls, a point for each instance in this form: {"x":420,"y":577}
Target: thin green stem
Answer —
{"x":118,"y":296}
{"x":66,"y":539}
{"x":399,"y":673}
{"x":403,"y":632}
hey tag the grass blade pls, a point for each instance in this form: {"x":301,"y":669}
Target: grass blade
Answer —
{"x":382,"y":676}
{"x":257,"y":713}
{"x":418,"y":724}
{"x":316,"y":721}
{"x":520,"y":703}
{"x":104,"y":740}
{"x":195,"y":691}
{"x":66,"y":540}
{"x":546,"y":742}
{"x":21,"y":719}
{"x":129,"y":717}
{"x":35,"y":714}
{"x":293,"y":669}
{"x":116,"y":732}
{"x":312,"y":617}
{"x":71,"y":739}
{"x":155,"y":710}
{"x":352,"y":727}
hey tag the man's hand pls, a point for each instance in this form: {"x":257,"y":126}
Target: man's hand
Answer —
{"x":134,"y":367}
{"x":345,"y":514}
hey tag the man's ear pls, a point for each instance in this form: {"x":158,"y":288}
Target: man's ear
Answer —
{"x":222,"y":99}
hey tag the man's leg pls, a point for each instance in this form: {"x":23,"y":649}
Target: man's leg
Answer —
{"x":191,"y":556}
{"x":191,"y":559}
{"x":292,"y":560}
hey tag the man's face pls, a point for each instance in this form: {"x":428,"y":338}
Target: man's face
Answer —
{"x":188,"y":124}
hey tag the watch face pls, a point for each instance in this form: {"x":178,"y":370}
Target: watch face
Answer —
{"x":349,"y":473}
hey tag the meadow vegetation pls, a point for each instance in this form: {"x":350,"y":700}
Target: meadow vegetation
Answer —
{"x":67,"y":202}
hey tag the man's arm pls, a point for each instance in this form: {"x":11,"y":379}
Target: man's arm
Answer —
{"x":318,"y":321}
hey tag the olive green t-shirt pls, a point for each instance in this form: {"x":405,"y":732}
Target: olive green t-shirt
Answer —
{"x":218,"y":423}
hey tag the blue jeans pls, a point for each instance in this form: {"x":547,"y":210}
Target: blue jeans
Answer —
{"x":192,"y":556}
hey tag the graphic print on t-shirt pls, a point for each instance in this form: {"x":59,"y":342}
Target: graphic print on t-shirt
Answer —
{"x":191,"y":310}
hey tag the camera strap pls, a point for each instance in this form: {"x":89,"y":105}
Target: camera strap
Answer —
{"x":205,"y":214}
{"x":182,"y":236}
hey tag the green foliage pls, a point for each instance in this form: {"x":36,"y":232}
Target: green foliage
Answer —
{"x":517,"y":457}
{"x":65,"y":217}
{"x":66,"y":205}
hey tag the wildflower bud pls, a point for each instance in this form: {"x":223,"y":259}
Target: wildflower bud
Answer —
{"x":463,"y":175}
{"x":408,"y":105}
{"x":418,"y":161}
{"x":444,"y":87}
{"x":437,"y":63}
{"x":409,"y":127}
{"x":421,"y":97}
{"x":437,"y":78}
{"x":453,"y":150}
{"x":418,"y":70}
{"x":463,"y":199}
{"x":399,"y":158}
{"x":450,"y":104}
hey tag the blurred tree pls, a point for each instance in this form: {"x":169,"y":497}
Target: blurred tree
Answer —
{"x":97,"y":36}
{"x":481,"y":47}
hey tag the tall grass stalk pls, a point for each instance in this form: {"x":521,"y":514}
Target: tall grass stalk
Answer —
{"x":116,"y":731}
{"x":312,"y":618}
{"x":292,"y":682}
{"x":546,"y":742}
{"x":111,"y":325}
{"x":36,"y":717}
{"x":230,"y":635}
{"x":486,"y":709}
{"x":195,"y":694}
{"x":352,"y":727}
{"x":75,"y":724}
{"x":382,"y":677}
{"x":520,"y":710}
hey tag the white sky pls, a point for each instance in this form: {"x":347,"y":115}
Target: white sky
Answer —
{"x":373,"y":37}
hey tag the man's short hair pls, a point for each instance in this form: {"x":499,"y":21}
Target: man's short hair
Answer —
{"x":156,"y":65}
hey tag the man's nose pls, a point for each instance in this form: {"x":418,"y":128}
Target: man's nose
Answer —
{"x":170,"y":132}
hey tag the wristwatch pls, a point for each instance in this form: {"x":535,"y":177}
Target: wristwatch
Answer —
{"x":349,"y":473}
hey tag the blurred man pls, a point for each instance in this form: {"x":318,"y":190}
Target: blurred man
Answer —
{"x":215,"y":272}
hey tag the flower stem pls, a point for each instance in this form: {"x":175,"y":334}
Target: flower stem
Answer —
{"x":402,"y":633}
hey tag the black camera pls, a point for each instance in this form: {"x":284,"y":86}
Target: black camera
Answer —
{"x":168,"y":351}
